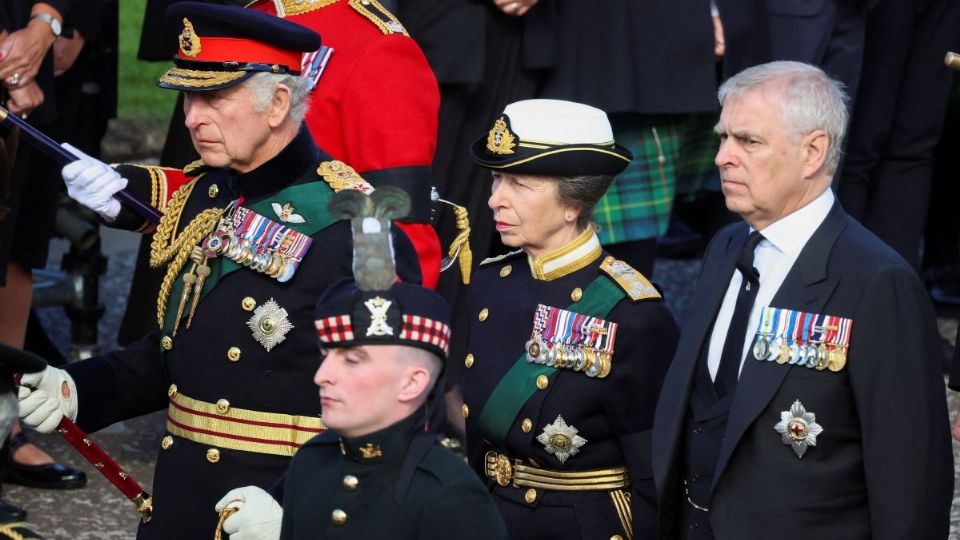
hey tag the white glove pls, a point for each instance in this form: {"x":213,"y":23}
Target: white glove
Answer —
{"x":46,"y":397}
{"x":93,"y":184}
{"x":259,"y":516}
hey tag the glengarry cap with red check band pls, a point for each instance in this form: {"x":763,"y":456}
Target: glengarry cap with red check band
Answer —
{"x":405,"y":314}
{"x":221,"y":46}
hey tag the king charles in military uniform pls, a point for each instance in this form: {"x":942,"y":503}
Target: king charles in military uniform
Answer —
{"x":248,"y":247}
{"x":568,"y":346}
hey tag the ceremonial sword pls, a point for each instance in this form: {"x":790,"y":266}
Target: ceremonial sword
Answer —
{"x":97,"y":457}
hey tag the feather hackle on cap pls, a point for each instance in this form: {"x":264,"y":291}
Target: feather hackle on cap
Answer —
{"x":374,"y":267}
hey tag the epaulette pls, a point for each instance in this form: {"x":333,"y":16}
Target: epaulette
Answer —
{"x":341,"y":176}
{"x":634,"y":283}
{"x":380,"y":16}
{"x":297,"y":7}
{"x":490,"y":260}
{"x":195,"y":168}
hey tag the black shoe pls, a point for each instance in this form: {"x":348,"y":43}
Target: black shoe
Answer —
{"x":49,"y":476}
{"x":11,"y":512}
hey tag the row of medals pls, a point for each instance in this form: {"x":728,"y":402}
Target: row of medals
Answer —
{"x":224,"y":242}
{"x":591,"y":362}
{"x":819,"y":356}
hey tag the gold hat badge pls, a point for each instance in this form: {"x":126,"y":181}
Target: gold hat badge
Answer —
{"x":500,"y":140}
{"x":189,"y":42}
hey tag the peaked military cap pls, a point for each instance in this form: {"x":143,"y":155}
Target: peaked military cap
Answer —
{"x":221,"y":46}
{"x":551,"y":137}
{"x":405,"y":314}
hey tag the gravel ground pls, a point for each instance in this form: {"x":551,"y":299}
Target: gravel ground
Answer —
{"x":100,"y":512}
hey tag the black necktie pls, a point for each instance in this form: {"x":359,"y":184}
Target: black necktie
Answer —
{"x":732,"y":355}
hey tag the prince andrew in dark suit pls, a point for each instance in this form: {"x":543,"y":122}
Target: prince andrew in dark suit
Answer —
{"x":805,"y":400}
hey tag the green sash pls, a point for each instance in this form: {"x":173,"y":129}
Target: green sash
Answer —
{"x":311,"y":202}
{"x":519,"y":383}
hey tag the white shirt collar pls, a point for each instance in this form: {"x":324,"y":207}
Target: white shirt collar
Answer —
{"x":792,"y":232}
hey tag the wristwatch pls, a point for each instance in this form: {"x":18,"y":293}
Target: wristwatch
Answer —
{"x":55,"y":26}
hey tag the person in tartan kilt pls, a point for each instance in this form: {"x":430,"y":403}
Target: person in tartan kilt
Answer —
{"x":568,"y":345}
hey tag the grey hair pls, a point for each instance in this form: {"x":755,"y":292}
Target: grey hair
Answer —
{"x":809,"y":100}
{"x":263,"y":85}
{"x":582,"y":192}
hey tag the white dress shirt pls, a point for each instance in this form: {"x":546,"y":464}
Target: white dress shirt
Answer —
{"x":773,"y":258}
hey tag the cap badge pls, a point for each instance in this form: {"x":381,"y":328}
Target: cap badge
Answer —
{"x":561,"y":440}
{"x":798,"y":428}
{"x":378,"y":307}
{"x":500,"y":140}
{"x":269,"y":324}
{"x":189,"y":42}
{"x":287,"y":213}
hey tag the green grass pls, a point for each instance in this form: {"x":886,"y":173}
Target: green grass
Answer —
{"x":138,"y":94}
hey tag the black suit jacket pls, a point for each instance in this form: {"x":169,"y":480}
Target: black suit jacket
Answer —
{"x":882,"y":468}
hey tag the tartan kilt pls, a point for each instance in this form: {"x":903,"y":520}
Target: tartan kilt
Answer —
{"x":698,"y":145}
{"x":637,"y":204}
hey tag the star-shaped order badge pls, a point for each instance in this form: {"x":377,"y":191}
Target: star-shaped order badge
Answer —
{"x":798,"y":428}
{"x":269,"y":324}
{"x":561,"y":440}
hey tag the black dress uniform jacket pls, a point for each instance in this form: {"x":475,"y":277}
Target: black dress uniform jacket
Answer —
{"x":614,"y":414}
{"x":882,"y":467}
{"x":375,"y":487}
{"x":190,"y":477}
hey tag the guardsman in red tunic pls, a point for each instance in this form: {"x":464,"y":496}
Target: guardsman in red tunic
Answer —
{"x":376,"y":104}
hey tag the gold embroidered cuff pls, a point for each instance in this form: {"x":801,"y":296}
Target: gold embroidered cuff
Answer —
{"x":512,"y":472}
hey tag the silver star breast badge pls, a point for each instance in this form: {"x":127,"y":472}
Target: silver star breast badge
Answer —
{"x":269,"y":324}
{"x":798,"y":428}
{"x":561,"y":440}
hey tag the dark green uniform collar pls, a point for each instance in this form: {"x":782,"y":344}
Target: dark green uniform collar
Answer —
{"x":387,"y":446}
{"x":280,"y":171}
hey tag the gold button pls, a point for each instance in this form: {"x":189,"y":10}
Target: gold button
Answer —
{"x":468,"y":361}
{"x":577,"y":294}
{"x":166,"y":342}
{"x":616,"y":537}
{"x":530,"y":496}
{"x":484,"y":313}
{"x":609,"y":259}
{"x":166,"y":442}
{"x":543,"y":382}
{"x":248,"y":303}
{"x":338,"y":517}
{"x":213,"y":455}
{"x":213,"y":190}
{"x":233,"y":354}
{"x":172,"y":391}
{"x":465,"y":410}
{"x":505,"y":271}
{"x":350,"y":482}
{"x":526,"y":425}
{"x":223,"y":406}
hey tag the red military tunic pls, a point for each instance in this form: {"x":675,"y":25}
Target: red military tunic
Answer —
{"x":376,"y":104}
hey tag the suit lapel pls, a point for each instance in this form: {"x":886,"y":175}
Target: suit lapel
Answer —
{"x":677,"y":384}
{"x":807,"y":287}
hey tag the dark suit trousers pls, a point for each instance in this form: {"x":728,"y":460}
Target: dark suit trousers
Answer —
{"x":898,"y":119}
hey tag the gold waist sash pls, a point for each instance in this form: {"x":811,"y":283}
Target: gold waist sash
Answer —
{"x":512,"y":472}
{"x":239,"y":429}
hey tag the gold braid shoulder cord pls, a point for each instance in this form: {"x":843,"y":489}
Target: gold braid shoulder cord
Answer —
{"x":166,"y":248}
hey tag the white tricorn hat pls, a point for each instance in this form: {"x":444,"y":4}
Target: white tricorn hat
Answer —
{"x":551,"y":137}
